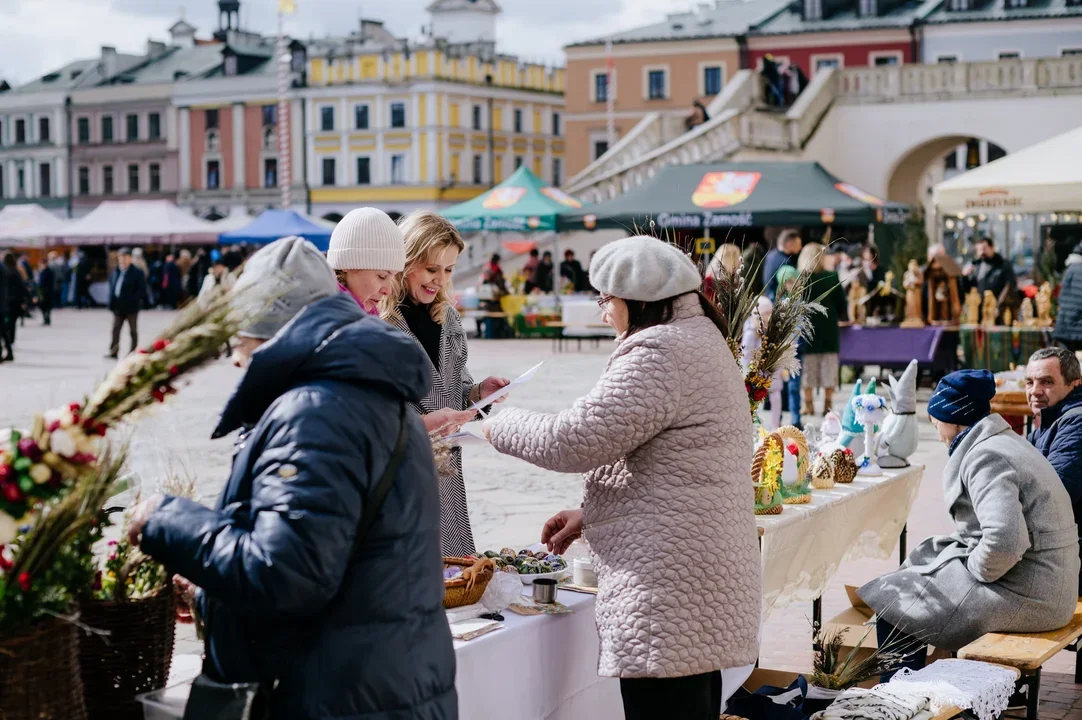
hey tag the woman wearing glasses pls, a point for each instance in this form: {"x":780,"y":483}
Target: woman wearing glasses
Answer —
{"x":665,"y":442}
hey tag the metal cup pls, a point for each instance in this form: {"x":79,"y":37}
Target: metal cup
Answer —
{"x":544,"y":590}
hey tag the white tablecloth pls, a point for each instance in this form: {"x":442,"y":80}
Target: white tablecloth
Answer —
{"x":804,"y":545}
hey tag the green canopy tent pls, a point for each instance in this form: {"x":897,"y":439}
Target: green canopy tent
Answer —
{"x":734,"y":195}
{"x":521,"y":203}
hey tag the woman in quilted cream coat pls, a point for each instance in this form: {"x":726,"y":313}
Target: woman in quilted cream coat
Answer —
{"x":665,"y":442}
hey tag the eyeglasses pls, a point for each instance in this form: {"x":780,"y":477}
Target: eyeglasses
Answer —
{"x":603,"y":300}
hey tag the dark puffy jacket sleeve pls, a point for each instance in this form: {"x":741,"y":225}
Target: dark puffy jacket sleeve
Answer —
{"x":1065,"y":454}
{"x":287,"y":551}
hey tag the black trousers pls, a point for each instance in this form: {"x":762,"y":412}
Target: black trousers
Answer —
{"x":46,"y":313}
{"x":118,"y":323}
{"x":695,"y":697}
{"x":7,"y":333}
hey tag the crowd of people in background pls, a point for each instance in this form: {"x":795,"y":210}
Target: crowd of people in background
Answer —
{"x":782,"y":83}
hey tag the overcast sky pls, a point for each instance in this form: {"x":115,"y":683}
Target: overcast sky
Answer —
{"x":37,"y":36}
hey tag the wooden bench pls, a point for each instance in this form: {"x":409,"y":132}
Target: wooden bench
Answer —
{"x":1027,"y":652}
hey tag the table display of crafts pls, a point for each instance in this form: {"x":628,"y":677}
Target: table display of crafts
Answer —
{"x":529,"y":564}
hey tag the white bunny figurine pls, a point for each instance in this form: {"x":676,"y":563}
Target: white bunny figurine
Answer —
{"x":870,"y":410}
{"x":899,"y":437}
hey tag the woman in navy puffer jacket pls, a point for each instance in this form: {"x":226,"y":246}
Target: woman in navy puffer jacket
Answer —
{"x":338,"y":632}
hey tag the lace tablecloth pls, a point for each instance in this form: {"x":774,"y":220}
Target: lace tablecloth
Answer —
{"x":803,"y":547}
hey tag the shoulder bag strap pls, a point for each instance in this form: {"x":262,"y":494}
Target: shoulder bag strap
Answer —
{"x":374,"y":502}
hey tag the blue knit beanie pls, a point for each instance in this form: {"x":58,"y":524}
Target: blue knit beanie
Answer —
{"x":963,"y":397}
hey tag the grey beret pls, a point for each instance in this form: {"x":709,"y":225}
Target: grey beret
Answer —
{"x":643,"y":268}
{"x":294,"y":270}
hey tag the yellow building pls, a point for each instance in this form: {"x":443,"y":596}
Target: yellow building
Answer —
{"x":405,"y":127}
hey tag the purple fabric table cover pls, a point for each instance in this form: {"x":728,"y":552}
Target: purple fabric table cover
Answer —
{"x":894,"y":347}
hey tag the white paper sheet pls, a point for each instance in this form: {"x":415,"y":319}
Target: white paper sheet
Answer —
{"x":468,"y":434}
{"x":506,"y":389}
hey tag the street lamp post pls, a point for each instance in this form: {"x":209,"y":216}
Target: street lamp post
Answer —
{"x":491,"y":136}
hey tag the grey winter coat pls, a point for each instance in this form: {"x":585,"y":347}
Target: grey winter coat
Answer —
{"x":1012,"y":563}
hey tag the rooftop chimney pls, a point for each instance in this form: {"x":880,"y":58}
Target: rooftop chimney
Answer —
{"x":108,"y":61}
{"x":155,"y":48}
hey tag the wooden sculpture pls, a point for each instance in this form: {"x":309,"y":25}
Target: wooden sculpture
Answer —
{"x":1044,"y":305}
{"x":989,"y":310}
{"x":972,"y":315}
{"x":913,"y":282}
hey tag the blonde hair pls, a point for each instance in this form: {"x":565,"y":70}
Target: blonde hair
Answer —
{"x":810,"y":259}
{"x":728,"y":257}
{"x":425,"y":233}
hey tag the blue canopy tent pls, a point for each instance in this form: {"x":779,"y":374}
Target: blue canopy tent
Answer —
{"x":270,"y":225}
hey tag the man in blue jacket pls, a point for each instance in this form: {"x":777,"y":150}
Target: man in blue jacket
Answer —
{"x":1054,"y":392}
{"x":786,"y":253}
{"x":331,"y":620}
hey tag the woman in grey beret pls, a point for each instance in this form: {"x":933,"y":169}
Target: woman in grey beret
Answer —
{"x":665,"y":442}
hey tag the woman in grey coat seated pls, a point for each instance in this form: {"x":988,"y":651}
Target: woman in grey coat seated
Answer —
{"x":1012,"y":563}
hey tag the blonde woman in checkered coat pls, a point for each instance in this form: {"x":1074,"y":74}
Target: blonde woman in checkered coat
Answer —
{"x":422,"y":307}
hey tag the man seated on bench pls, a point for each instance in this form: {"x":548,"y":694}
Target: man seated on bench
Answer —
{"x":1012,"y":563}
{"x":1054,"y":393}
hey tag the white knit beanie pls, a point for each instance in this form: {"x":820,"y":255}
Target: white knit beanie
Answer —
{"x":367,"y":239}
{"x":643,"y":268}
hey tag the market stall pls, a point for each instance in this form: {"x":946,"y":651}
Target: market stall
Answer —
{"x":28,"y":226}
{"x":521,"y":203}
{"x":137,"y":222}
{"x":1002,"y":348}
{"x":271,"y":225}
{"x":934,"y":347}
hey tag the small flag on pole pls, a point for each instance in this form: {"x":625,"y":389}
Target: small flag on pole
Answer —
{"x":287,"y":7}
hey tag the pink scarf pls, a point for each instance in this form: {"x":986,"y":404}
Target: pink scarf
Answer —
{"x":343,"y":288}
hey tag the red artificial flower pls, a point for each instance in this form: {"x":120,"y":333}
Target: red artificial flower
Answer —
{"x":5,"y":564}
{"x":12,"y":493}
{"x":174,"y":370}
{"x":6,"y":473}
{"x":793,"y":449}
{"x":848,"y":451}
{"x":53,"y":426}
{"x":158,"y":395}
{"x":144,"y":351}
{"x":24,"y":581}
{"x":29,"y":448}
{"x":160,"y":345}
{"x":101,"y":429}
{"x":75,"y":407}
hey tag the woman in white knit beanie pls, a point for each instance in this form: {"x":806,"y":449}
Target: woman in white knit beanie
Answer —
{"x":367,"y":252}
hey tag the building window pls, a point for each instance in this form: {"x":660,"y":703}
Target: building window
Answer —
{"x":214,"y":141}
{"x":214,"y":174}
{"x":822,"y":63}
{"x":326,"y":118}
{"x":995,"y":152}
{"x":398,"y":169}
{"x":270,"y":173}
{"x":601,"y":87}
{"x":107,"y":180}
{"x":973,"y":153}
{"x":950,"y":160}
{"x":518,"y":121}
{"x":655,"y":80}
{"x":885,"y":59}
{"x":43,"y":130}
{"x":364,"y":171}
{"x":155,"y":178}
{"x":328,"y":171}
{"x":959,"y":5}
{"x":270,"y":138}
{"x":154,"y":126}
{"x":360,"y":117}
{"x":600,"y":148}
{"x":211,"y":117}
{"x":1010,"y":55}
{"x":107,"y":129}
{"x":45,"y":176}
{"x":518,"y":161}
{"x":813,"y":10}
{"x":711,"y":80}
{"x":270,"y":115}
{"x":947,"y":59}
{"x":556,"y":124}
{"x":476,"y":117}
{"x":133,"y":178}
{"x":20,"y":132}
{"x":477,"y":165}
{"x":398,"y":115}
{"x":20,"y":182}
{"x":1016,"y":4}
{"x":132,"y":122}
{"x":230,"y":65}
{"x":557,"y":172}
{"x":1070,"y":52}
{"x":84,"y":180}
{"x":868,"y":8}
{"x":83,"y":129}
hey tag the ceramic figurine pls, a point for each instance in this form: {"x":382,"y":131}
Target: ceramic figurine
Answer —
{"x":857,"y":311}
{"x":870,"y":410}
{"x":1008,"y":318}
{"x":1044,"y":305}
{"x":795,"y":489}
{"x":899,"y":437}
{"x":989,"y":310}
{"x":822,"y":473}
{"x":1025,"y":315}
{"x":850,"y":436}
{"x":845,"y":466}
{"x":972,"y":314}
{"x":913,"y":282}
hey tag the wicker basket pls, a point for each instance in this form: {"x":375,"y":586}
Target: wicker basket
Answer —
{"x":770,"y":443}
{"x":39,"y":674}
{"x":134,"y":658}
{"x":456,"y":593}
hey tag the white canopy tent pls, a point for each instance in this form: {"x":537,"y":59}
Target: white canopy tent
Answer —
{"x":1043,"y":178}
{"x":28,"y":225}
{"x":138,"y":221}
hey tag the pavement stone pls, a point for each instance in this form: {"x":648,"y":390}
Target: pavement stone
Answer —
{"x":509,"y":500}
